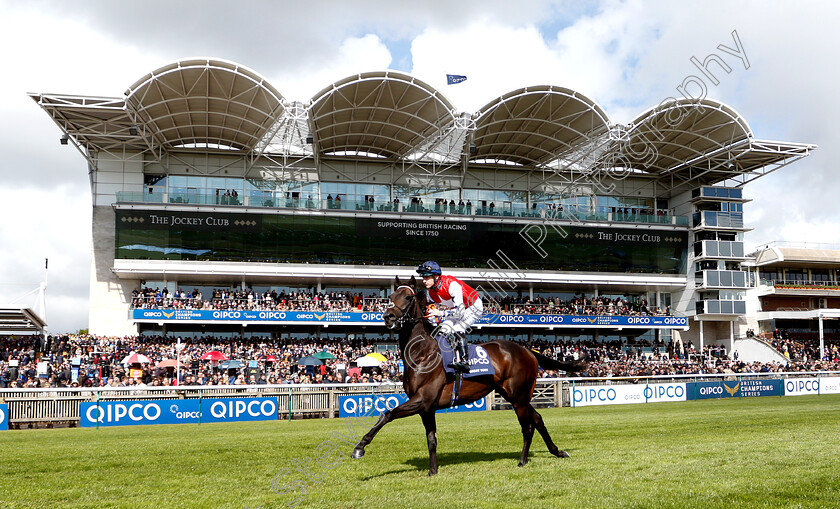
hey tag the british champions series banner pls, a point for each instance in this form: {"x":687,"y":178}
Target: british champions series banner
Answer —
{"x":356,"y":317}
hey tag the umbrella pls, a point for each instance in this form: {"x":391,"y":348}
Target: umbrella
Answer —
{"x":377,"y":356}
{"x":310,"y":361}
{"x":169,"y":363}
{"x":323,"y":355}
{"x":136,"y":358}
{"x":231,"y":365}
{"x":271,"y":358}
{"x":214,"y":355}
{"x":365,"y":362}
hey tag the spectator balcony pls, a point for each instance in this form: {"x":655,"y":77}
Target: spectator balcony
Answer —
{"x":721,"y":279}
{"x":718,"y":220}
{"x":721,"y":307}
{"x":715,"y":193}
{"x":505,"y":210}
{"x":379,"y":305}
{"x":719,"y":249}
{"x":799,"y":287}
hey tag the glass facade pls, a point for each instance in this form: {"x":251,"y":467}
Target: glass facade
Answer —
{"x":289,"y":238}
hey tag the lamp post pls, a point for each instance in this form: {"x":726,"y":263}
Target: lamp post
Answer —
{"x":178,"y":348}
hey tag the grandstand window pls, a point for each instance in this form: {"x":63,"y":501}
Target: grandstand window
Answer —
{"x":820,"y":275}
{"x":796,"y":275}
{"x":769,"y":275}
{"x":355,"y":193}
{"x":357,"y":240}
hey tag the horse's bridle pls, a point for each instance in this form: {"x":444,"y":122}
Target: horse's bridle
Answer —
{"x":404,"y":315}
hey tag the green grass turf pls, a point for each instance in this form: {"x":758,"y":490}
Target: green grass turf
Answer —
{"x":754,"y":452}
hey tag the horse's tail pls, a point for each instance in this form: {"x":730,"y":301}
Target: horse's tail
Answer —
{"x":567,"y":366}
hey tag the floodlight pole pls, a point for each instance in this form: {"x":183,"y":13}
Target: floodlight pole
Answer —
{"x":42,"y":300}
{"x":822,"y":337}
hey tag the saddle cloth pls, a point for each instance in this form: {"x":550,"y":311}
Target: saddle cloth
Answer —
{"x":480,"y":364}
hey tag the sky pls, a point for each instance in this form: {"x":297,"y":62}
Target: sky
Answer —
{"x":626,"y":55}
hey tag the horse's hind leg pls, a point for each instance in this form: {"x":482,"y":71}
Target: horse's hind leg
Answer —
{"x":538,"y":422}
{"x":431,"y":440}
{"x":523,"y":413}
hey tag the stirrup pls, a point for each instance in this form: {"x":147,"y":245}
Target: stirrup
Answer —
{"x":460,"y":366}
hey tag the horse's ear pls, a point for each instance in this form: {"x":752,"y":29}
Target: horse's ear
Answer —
{"x":413,"y":282}
{"x":397,"y":283}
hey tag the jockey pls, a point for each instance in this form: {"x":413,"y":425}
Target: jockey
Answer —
{"x":457,"y":304}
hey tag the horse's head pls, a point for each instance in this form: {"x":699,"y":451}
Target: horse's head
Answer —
{"x":405,"y":305}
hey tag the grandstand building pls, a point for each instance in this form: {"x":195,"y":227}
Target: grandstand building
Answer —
{"x":205,"y":177}
{"x":796,"y":289}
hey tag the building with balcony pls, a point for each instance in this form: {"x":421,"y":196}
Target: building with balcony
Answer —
{"x":796,"y":289}
{"x":205,"y":178}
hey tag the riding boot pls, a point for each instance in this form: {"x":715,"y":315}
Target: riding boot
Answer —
{"x":462,"y":364}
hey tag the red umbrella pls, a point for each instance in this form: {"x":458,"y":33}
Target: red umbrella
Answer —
{"x":270,"y":358}
{"x":214,"y":355}
{"x":136,"y":358}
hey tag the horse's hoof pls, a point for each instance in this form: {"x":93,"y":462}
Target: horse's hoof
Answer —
{"x":563,"y":454}
{"x":520,"y":464}
{"x":432,"y":472}
{"x":358,"y":453}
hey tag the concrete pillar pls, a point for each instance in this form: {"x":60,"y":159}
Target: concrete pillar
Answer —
{"x":701,"y":337}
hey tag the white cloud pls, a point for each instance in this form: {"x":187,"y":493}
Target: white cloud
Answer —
{"x":627,"y":56}
{"x":354,"y":55}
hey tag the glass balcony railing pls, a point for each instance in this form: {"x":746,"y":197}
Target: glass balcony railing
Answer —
{"x":510,"y":210}
{"x":715,"y":219}
{"x":719,"y":249}
{"x":721,"y":307}
{"x":718,"y":192}
{"x":734,"y":279}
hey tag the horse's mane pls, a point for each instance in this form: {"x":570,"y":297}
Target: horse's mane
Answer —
{"x":423,"y":301}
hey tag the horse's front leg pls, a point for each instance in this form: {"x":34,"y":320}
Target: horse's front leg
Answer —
{"x":431,"y":439}
{"x":412,"y":406}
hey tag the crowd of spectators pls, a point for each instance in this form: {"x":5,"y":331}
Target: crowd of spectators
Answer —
{"x":100,"y":361}
{"x":84,"y":361}
{"x":227,"y":299}
{"x":248,"y":299}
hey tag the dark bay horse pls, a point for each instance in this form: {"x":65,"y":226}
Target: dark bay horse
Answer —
{"x":428,"y":388}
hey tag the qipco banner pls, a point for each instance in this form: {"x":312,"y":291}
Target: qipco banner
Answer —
{"x":654,"y":393}
{"x":177,"y":411}
{"x":4,"y":417}
{"x":368,"y":405}
{"x":801,"y":386}
{"x":830,"y":385}
{"x":627,"y":394}
{"x":607,"y":395}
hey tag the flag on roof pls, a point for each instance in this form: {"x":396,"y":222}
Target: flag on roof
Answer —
{"x":452,"y":79}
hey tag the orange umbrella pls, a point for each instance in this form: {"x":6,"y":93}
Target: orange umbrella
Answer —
{"x":170,"y":363}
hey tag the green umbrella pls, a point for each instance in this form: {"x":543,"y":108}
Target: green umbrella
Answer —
{"x":323,"y":355}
